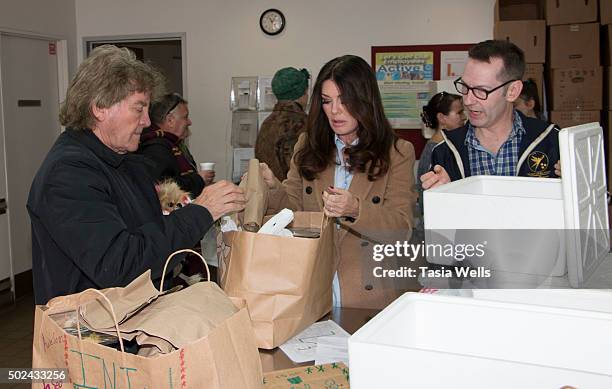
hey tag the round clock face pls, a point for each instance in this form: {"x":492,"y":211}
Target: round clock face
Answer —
{"x":272,"y":22}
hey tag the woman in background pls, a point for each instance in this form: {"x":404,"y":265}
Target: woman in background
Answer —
{"x":444,"y":111}
{"x":529,"y":102}
{"x":350,"y":165}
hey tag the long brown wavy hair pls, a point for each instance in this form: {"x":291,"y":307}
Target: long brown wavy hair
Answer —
{"x":360,"y":96}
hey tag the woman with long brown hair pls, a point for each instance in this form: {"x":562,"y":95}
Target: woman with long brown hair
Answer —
{"x":350,"y":165}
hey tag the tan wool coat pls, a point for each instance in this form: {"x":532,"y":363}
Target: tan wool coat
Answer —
{"x":385,"y":205}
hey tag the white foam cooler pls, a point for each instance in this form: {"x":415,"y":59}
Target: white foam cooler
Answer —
{"x":580,"y":299}
{"x":559,"y":208}
{"x":432,"y":341}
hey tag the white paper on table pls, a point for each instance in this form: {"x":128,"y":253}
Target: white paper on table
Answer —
{"x":302,"y":347}
{"x":331,"y":349}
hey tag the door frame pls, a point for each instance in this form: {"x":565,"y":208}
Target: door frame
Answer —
{"x":139,"y":38}
{"x":61,"y":53}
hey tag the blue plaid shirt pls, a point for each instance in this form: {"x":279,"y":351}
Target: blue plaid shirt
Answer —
{"x":484,"y":162}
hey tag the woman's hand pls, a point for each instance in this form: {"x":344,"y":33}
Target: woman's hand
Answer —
{"x":339,"y":203}
{"x":266,"y":173}
{"x":268,"y":176}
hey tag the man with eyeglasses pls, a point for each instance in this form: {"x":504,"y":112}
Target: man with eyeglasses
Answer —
{"x":497,"y":139}
{"x":163,"y":143}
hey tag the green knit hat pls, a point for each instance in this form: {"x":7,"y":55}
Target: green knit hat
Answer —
{"x":290,"y":83}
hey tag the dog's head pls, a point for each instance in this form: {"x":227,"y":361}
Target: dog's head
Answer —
{"x":171,"y":196}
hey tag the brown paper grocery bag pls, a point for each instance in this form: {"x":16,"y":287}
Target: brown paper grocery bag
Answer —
{"x":226,"y":358}
{"x":126,"y":301}
{"x":257,"y":198}
{"x":286,"y":282}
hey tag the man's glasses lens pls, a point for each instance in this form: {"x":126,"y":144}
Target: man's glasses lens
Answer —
{"x":480,"y":93}
{"x":461,"y":87}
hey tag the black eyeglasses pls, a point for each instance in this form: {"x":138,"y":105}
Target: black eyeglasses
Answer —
{"x":479,"y":93}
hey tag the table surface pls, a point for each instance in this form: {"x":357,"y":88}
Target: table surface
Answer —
{"x":351,"y":319}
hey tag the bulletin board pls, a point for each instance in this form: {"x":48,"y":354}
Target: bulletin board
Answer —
{"x":404,"y":74}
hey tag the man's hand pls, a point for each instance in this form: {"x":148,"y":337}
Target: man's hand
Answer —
{"x":435,"y":178}
{"x":340,"y":202}
{"x":208,"y":176}
{"x":221,"y":198}
{"x":558,"y":168}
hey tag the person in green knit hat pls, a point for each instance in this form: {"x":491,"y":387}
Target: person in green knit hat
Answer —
{"x":280,"y":131}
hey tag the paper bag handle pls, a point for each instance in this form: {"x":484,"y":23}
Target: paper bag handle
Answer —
{"x":325,"y":221}
{"x":112,"y":310}
{"x":161,"y":285}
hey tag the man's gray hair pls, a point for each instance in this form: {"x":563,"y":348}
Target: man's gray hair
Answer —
{"x":107,"y":76}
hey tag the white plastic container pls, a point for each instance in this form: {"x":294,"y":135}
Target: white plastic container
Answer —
{"x":571,"y":214}
{"x":598,"y":300}
{"x":432,"y":341}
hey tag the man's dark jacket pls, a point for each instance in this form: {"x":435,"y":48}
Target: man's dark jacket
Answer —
{"x":538,"y":151}
{"x":97,"y":221}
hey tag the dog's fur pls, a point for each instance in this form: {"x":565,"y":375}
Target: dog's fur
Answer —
{"x":171,"y":196}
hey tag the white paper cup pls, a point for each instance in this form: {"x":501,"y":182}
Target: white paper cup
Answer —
{"x":204,"y":166}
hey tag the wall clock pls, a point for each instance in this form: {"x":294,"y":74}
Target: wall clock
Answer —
{"x":272,"y":21}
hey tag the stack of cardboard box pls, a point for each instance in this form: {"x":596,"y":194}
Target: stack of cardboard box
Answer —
{"x":605,"y":18}
{"x":522,"y":23}
{"x":576,"y":51}
{"x":574,"y":67}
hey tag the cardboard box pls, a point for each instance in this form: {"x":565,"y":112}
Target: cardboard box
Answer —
{"x":570,"y":11}
{"x":519,"y":10}
{"x":605,"y":11}
{"x":529,"y":35}
{"x":608,"y":130}
{"x":608,"y":93}
{"x":577,"y":89}
{"x":574,"y":46}
{"x":573,"y":118}
{"x":330,"y":375}
{"x":535,"y":71}
{"x":607,"y":45}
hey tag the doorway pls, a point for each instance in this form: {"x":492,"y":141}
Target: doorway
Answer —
{"x":166,"y":52}
{"x":31,"y":71}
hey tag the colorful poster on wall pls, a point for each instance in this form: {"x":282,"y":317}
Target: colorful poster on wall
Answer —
{"x":452,"y":64}
{"x":418,"y":65}
{"x":403,"y":83}
{"x":404,"y":101}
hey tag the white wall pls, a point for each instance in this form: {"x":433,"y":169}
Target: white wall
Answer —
{"x":224,"y":40}
{"x":55,"y":18}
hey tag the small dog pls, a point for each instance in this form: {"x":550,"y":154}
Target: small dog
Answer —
{"x":171,"y":196}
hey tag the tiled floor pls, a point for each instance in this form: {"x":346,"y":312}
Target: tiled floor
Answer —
{"x":16,"y":329}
